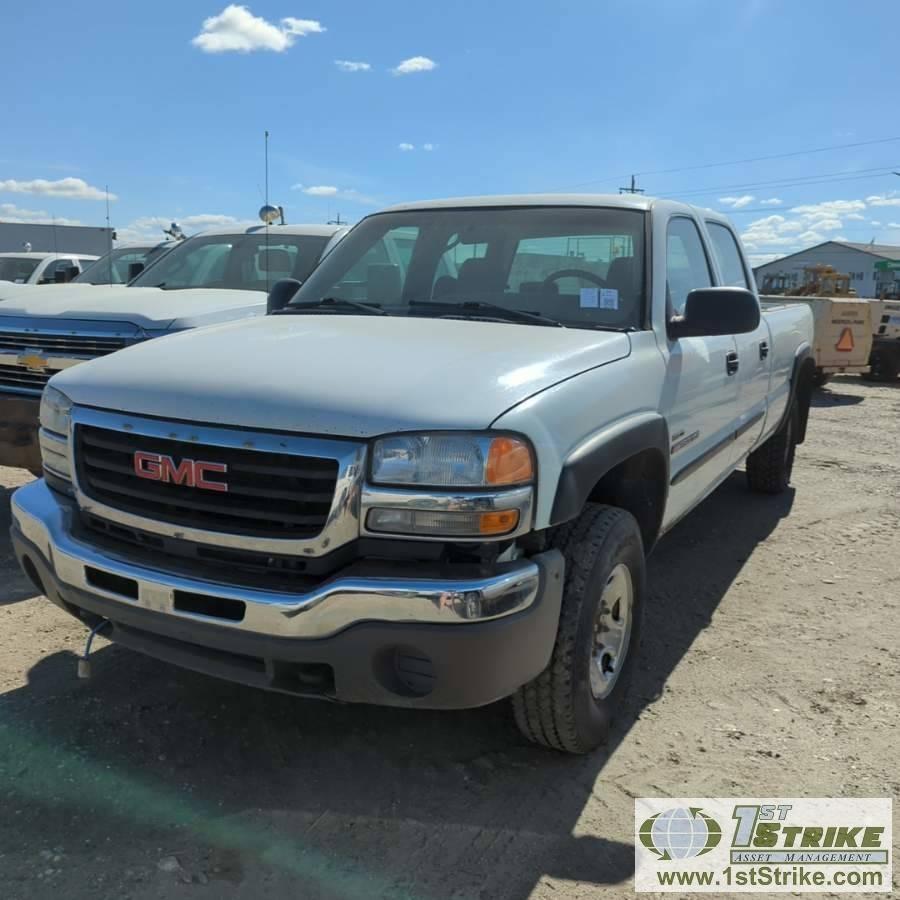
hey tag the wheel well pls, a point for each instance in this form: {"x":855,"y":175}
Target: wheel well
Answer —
{"x":640,"y":486}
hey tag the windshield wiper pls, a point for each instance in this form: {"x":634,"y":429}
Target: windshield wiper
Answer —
{"x":329,"y":303}
{"x":476,"y":306}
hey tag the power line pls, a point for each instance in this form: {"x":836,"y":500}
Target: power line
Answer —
{"x":739,"y":162}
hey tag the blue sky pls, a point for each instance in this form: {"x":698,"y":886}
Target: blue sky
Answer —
{"x":492,"y":97}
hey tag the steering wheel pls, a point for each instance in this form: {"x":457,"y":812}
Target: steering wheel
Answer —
{"x":575,"y":273}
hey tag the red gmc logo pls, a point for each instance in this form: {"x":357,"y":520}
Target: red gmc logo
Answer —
{"x":189,"y":472}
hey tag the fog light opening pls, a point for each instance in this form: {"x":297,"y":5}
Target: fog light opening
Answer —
{"x":32,"y":573}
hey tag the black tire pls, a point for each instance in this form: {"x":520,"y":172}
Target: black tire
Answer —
{"x":558,"y":708}
{"x":820,"y":379}
{"x":769,"y":467}
{"x":882,"y":366}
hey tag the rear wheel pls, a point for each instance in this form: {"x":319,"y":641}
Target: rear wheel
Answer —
{"x":570,"y":705}
{"x":883,"y":366}
{"x":769,"y":467}
{"x":820,"y":379}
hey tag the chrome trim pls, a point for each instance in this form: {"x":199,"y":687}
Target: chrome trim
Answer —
{"x":520,"y":498}
{"x":50,"y":363}
{"x":341,"y":526}
{"x":44,"y":519}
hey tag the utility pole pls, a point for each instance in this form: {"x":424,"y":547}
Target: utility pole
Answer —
{"x":336,"y":221}
{"x":632,"y":189}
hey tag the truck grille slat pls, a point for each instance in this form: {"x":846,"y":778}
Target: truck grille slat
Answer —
{"x":79,"y":345}
{"x":16,"y":376}
{"x":269,"y":494}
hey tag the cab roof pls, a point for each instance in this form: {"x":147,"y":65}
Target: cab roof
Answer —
{"x":306,"y":230}
{"x":620,"y":201}
{"x":36,"y":254}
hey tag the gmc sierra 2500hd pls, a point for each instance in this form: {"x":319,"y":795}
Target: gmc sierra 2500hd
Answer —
{"x":216,"y":276}
{"x":431,"y":476}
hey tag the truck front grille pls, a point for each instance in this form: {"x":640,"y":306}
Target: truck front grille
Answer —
{"x":60,"y":343}
{"x":20,"y":377}
{"x":278,"y":495}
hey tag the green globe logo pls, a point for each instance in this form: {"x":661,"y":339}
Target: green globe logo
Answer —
{"x":680,"y":833}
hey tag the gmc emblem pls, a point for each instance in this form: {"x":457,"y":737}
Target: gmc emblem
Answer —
{"x":189,"y":472}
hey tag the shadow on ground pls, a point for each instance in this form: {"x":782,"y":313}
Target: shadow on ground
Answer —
{"x":349,"y":801}
{"x":15,"y":586}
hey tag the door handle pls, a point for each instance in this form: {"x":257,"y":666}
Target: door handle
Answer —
{"x":763,"y":349}
{"x":731,"y":363}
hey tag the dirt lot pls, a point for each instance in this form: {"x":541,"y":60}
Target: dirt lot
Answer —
{"x":770,"y":667}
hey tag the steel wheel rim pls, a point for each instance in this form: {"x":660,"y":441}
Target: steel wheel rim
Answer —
{"x":611,"y":633}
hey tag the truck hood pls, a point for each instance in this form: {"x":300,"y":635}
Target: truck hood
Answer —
{"x":147,"y":308}
{"x":353,"y":376}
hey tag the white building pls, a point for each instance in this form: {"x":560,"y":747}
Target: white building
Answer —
{"x":859,"y":261}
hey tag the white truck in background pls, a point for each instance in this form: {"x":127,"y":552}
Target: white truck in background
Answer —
{"x":28,"y":267}
{"x":217,"y":276}
{"x":428,"y":478}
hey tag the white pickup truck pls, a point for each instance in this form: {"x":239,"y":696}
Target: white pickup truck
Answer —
{"x":216,"y":276}
{"x":29,"y":267}
{"x":426,"y":482}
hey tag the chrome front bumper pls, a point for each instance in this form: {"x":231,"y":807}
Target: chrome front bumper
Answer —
{"x":44,"y":520}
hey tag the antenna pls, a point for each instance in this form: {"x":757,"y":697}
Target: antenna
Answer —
{"x":108,"y":240}
{"x":267,"y":203}
{"x":632,"y":189}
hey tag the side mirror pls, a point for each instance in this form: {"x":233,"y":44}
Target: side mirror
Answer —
{"x":281,"y":293}
{"x":718,"y":310}
{"x":134,"y":269}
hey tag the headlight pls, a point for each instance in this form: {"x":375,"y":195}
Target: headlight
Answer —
{"x":451,"y":460}
{"x":55,"y":417}
{"x":55,"y":410}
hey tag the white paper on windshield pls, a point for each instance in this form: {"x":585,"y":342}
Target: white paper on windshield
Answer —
{"x":590,"y":298}
{"x":609,"y":298}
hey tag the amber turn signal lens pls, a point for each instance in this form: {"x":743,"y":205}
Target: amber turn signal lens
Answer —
{"x":509,"y":462}
{"x":498,"y":522}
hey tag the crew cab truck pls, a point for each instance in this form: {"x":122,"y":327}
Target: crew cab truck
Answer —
{"x":215,"y":276}
{"x":431,"y":482}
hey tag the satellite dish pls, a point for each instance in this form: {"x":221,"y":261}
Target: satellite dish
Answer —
{"x":269,"y":214}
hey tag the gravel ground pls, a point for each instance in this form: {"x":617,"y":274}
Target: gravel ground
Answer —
{"x":770,"y":666}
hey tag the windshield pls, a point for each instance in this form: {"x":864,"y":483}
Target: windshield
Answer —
{"x":17,"y":268}
{"x":576,"y":266}
{"x":113,"y":268}
{"x":245,"y":262}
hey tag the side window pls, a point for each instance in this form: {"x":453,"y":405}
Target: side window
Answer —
{"x":59,"y":265}
{"x":728,"y":256}
{"x":686,"y":265}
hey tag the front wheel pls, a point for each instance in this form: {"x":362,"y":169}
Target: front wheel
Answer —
{"x":570,"y":705}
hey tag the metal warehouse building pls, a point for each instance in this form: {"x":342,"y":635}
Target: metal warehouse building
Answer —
{"x":873,"y":268}
{"x":55,"y":238}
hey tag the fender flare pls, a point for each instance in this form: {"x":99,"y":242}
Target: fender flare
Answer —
{"x":601,"y":453}
{"x":801,"y":389}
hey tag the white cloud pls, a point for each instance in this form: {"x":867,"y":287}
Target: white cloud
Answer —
{"x":879,"y":200}
{"x":70,"y":188}
{"x":772,"y":201}
{"x":737,"y":202}
{"x":874,"y":222}
{"x":415,"y":64}
{"x":332,"y":192}
{"x":406,"y":148}
{"x":855,"y":217}
{"x":428,"y":147}
{"x":348,"y":65}
{"x":237,"y":30}
{"x":9,"y":212}
{"x":893,"y":225}
{"x":829,"y":208}
{"x":301,"y":27}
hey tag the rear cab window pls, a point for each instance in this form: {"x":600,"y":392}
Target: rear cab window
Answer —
{"x":728,"y":255}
